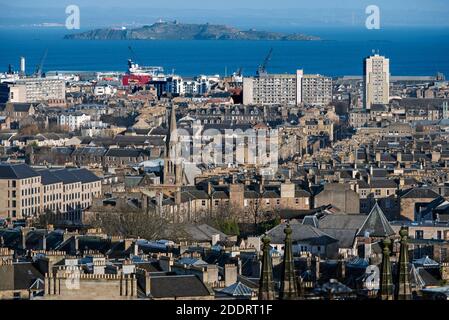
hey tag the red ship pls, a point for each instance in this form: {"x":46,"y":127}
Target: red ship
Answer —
{"x":140,"y":75}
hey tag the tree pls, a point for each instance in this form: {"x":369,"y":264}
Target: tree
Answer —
{"x":127,"y":222}
{"x":255,"y":211}
{"x":29,"y":130}
{"x":224,"y":218}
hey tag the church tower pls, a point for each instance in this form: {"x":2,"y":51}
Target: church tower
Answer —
{"x":172,"y":163}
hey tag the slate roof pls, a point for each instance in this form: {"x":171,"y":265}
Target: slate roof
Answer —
{"x":202,"y":232}
{"x":84,"y":175}
{"x":65,"y":175}
{"x":89,"y":151}
{"x":20,"y":107}
{"x":301,"y":233}
{"x":425,"y":193}
{"x":342,"y":227}
{"x":48,"y":178}
{"x":123,"y":153}
{"x":376,"y":224}
{"x":383,"y":183}
{"x":182,"y":286}
{"x":18,"y":276}
{"x":16,"y":171}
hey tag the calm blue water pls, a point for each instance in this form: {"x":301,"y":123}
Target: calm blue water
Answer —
{"x":412,"y":52}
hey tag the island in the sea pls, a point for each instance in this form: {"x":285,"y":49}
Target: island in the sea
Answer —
{"x":181,"y":31}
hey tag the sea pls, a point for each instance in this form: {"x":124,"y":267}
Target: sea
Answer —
{"x":412,"y":52}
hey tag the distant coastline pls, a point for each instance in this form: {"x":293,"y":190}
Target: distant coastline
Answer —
{"x":180,"y":31}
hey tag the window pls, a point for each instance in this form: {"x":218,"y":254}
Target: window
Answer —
{"x":419,"y":234}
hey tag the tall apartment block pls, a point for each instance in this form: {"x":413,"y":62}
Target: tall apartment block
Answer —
{"x":376,"y":81}
{"x":287,"y":89}
{"x":273,"y":89}
{"x":316,"y":90}
{"x":34,"y":90}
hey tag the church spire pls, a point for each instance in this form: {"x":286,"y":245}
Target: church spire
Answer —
{"x":172,"y":130}
{"x":173,"y":172}
{"x":403,"y":289}
{"x":266,"y":285}
{"x":386,"y":277}
{"x":289,"y":288}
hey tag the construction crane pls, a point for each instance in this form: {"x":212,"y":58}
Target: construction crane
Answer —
{"x":38,"y":73}
{"x":262,"y":70}
{"x":134,"y":56}
{"x":239,"y":72}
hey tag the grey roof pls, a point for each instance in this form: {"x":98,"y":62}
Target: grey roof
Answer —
{"x":425,"y":193}
{"x":311,"y":221}
{"x":202,"y":232}
{"x":16,"y":171}
{"x":47,"y":177}
{"x":18,"y":276}
{"x":123,"y":153}
{"x":91,"y":151}
{"x":21,"y":107}
{"x":301,"y":233}
{"x":238,"y":289}
{"x":192,"y":261}
{"x":376,"y":224}
{"x":425,"y":262}
{"x":66,"y":176}
{"x":343,"y":227}
{"x":84,"y":175}
{"x":342,"y":221}
{"x":132,"y":181}
{"x":183,"y":286}
{"x":383,"y":183}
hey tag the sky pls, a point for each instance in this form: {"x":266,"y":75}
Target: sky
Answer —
{"x":270,"y":14}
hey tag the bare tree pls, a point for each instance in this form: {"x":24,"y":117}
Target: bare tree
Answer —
{"x":130,"y":223}
{"x":224,"y":217}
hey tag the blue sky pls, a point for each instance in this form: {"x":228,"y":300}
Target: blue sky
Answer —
{"x":281,"y":14}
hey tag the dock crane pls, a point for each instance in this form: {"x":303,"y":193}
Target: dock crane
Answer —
{"x":262,"y":70}
{"x":39,"y":68}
